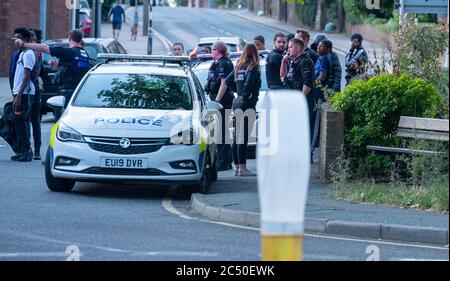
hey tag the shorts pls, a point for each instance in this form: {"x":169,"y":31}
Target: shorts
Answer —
{"x":117,"y":25}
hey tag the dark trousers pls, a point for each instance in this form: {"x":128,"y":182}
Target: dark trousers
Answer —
{"x":21,"y":124}
{"x":35,"y":120}
{"x":224,"y":148}
{"x":243,"y":126}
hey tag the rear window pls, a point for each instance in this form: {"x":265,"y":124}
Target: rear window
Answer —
{"x":142,"y":91}
{"x":231,"y":47}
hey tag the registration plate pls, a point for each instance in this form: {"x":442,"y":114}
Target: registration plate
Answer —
{"x":128,"y":163}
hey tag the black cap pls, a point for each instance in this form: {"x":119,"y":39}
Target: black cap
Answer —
{"x":289,"y":36}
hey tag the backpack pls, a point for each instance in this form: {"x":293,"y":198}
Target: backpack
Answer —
{"x":71,"y":74}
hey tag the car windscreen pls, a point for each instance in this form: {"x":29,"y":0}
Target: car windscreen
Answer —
{"x":202,"y":75}
{"x":84,"y":16}
{"x":92,"y":51}
{"x":140,"y":91}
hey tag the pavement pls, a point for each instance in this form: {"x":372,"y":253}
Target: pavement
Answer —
{"x":235,"y":199}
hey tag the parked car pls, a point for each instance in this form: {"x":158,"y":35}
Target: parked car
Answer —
{"x":85,"y":24}
{"x":84,"y":7}
{"x":94,"y":46}
{"x":130,"y":120}
{"x":201,"y":71}
{"x":234,"y":44}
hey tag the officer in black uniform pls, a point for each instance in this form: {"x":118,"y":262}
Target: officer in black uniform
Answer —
{"x":73,"y":64}
{"x":219,"y":70}
{"x":273,"y":62}
{"x":297,"y":71}
{"x":246,"y":79}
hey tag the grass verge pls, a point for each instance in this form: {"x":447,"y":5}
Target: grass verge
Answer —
{"x":434,"y":197}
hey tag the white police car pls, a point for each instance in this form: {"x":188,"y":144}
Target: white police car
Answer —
{"x":135,"y":118}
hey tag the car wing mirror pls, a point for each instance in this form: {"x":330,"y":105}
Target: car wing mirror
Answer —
{"x":57,"y":102}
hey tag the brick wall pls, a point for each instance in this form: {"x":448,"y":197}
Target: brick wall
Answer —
{"x":331,"y":140}
{"x":25,"y":13}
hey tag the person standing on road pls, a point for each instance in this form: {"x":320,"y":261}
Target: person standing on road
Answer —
{"x":304,"y":35}
{"x":273,"y":62}
{"x":118,"y":16}
{"x":74,"y":62}
{"x":246,"y":79}
{"x":218,"y":71}
{"x":322,"y":75}
{"x":299,"y":75}
{"x":259,"y":42}
{"x":35,"y":115}
{"x":356,"y":58}
{"x":334,"y":81}
{"x":23,"y":89}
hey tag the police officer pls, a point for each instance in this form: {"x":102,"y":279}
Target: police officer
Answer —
{"x":304,"y":35}
{"x":218,"y":71}
{"x":273,"y":62}
{"x":74,"y":62}
{"x":246,"y":79}
{"x":297,"y":71}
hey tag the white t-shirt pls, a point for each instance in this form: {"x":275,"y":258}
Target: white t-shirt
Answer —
{"x":27,"y":59}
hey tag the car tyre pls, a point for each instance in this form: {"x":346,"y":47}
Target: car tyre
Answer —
{"x":56,"y":184}
{"x":213,"y":171}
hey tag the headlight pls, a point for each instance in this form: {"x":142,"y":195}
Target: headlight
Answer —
{"x":187,"y":137}
{"x":65,"y":133}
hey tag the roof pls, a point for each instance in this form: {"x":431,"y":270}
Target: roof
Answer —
{"x":87,"y":40}
{"x":140,"y":68}
{"x":226,"y":40}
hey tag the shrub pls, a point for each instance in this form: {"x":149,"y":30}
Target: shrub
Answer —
{"x":373,"y":108}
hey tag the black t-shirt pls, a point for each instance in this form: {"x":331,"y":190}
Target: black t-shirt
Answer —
{"x":273,"y":65}
{"x":73,"y":64}
{"x":301,"y":72}
{"x":312,"y":55}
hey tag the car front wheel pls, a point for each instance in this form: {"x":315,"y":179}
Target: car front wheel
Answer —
{"x":56,"y":184}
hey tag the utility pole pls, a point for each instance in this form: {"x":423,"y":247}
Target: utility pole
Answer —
{"x":145,"y":23}
{"x":150,"y":31}
{"x":77,"y":14}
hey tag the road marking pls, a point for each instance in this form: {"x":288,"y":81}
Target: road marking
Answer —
{"x":108,"y":249}
{"x":34,"y":254}
{"x":178,"y":253}
{"x":166,"y":42}
{"x":167,"y":204}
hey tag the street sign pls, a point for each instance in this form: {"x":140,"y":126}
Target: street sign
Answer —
{"x":283,"y":169}
{"x":439,"y":7}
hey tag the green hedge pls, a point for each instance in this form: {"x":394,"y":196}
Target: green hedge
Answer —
{"x":373,"y":108}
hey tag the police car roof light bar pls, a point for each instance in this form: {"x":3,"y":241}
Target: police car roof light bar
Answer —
{"x":155,"y":58}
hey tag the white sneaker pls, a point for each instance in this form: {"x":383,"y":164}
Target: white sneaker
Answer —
{"x":246,"y":173}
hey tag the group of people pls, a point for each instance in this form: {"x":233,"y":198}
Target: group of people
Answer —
{"x":25,"y":69}
{"x":292,"y":64}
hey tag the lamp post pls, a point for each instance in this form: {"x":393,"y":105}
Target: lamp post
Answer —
{"x":283,"y":165}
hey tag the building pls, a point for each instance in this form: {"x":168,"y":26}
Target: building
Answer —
{"x":52,"y":17}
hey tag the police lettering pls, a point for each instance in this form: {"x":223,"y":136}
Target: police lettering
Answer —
{"x":128,"y":120}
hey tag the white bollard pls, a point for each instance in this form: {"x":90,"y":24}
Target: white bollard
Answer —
{"x":283,"y":169}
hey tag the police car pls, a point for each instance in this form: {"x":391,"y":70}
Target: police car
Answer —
{"x":135,"y":118}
